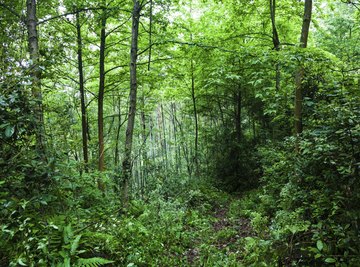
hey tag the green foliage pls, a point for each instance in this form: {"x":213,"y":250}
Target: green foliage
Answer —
{"x":303,"y":208}
{"x":307,"y":204}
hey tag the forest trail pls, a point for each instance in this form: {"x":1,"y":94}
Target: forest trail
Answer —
{"x":224,"y":235}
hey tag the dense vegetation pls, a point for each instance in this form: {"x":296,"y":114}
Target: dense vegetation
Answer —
{"x":179,"y":133}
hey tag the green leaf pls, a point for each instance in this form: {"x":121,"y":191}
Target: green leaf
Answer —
{"x":20,"y":262}
{"x":330,"y":260}
{"x":9,"y":131}
{"x":2,"y":126}
{"x":319,"y":245}
{"x":93,"y":262}
{"x":68,"y":233}
{"x":67,"y":262}
{"x":75,"y":245}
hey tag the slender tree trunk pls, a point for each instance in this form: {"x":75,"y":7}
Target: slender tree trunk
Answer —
{"x":150,"y":34}
{"x":143,"y":117}
{"x":82,"y":93}
{"x":160,"y":137}
{"x":132,"y":107}
{"x":300,"y":73}
{"x":152,"y":140}
{"x":116,"y":158}
{"x":221,"y":113}
{"x":102,"y":89}
{"x":193,"y":97}
{"x":35,"y":75}
{"x":3,"y":57}
{"x":275,"y":36}
{"x":177,"y":146}
{"x":276,"y":42}
{"x":238,"y":114}
{"x":254,"y":128}
{"x":144,"y":137}
{"x":170,"y":145}
{"x":163,"y":141}
{"x":184,"y":147}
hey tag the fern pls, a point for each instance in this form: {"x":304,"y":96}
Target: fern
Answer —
{"x":75,"y":245}
{"x":92,"y":262}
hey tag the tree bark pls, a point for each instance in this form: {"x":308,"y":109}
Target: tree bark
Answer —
{"x":144,"y":149}
{"x":101,"y":90}
{"x":238,"y":114}
{"x":127,"y":165}
{"x":176,"y":145}
{"x":275,"y":36}
{"x":300,"y":73}
{"x":82,"y":94}
{"x":306,"y":23}
{"x":143,"y":117}
{"x":35,"y":75}
{"x":150,"y":34}
{"x":276,"y":42}
{"x":144,"y":138}
{"x":116,"y":156}
{"x":193,"y":97}
{"x":163,"y":140}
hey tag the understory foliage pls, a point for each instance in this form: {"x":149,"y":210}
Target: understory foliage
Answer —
{"x":74,"y":225}
{"x":199,"y":164}
{"x":309,"y":201}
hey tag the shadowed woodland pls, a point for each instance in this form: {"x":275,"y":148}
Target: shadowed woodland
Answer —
{"x":179,"y":133}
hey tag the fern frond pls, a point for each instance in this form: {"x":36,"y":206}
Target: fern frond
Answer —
{"x":75,"y":245}
{"x":92,"y":262}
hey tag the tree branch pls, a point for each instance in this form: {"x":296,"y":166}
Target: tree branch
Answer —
{"x":13,"y":12}
{"x":353,"y":3}
{"x":117,"y":27}
{"x":200,"y":45}
{"x":69,"y":13}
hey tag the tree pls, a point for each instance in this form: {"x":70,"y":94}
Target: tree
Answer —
{"x":102,"y":87}
{"x":300,"y":72}
{"x":276,"y":41}
{"x":127,"y":161}
{"x":84,"y":127}
{"x":35,"y":75}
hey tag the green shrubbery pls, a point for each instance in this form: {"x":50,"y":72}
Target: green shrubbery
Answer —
{"x":75,"y":224}
{"x":307,"y":210}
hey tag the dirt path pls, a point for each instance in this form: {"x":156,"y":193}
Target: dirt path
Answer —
{"x":224,"y":233}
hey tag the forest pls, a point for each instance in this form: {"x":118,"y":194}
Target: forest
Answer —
{"x":179,"y":133}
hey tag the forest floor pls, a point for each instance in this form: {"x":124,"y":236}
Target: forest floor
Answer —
{"x":221,"y":244}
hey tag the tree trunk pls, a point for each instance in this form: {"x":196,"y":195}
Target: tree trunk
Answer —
{"x":238,"y":114}
{"x":144,"y":149}
{"x":35,"y":75}
{"x":306,"y":23}
{"x":150,"y":34}
{"x":143,"y":118}
{"x":193,"y":97}
{"x":300,"y":73}
{"x":275,"y":37}
{"x":132,"y":107}
{"x":176,"y":145}
{"x":163,"y":140}
{"x":221,"y":112}
{"x":276,"y":42}
{"x":82,"y":94}
{"x":116,"y":156}
{"x":101,"y":90}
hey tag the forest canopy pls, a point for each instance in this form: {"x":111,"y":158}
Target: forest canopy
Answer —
{"x":179,"y":133}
